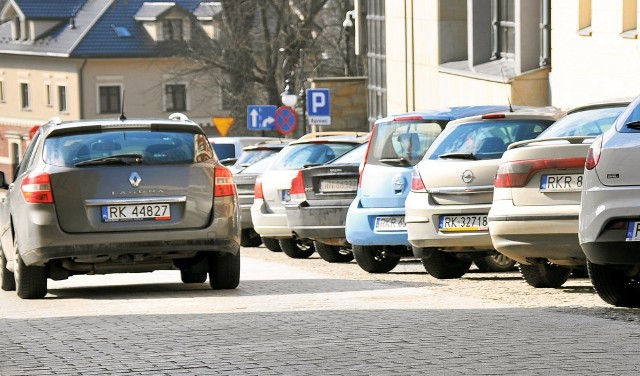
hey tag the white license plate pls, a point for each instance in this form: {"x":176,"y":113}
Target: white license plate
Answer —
{"x":561,"y":183}
{"x":338,"y":185}
{"x":633,"y":231}
{"x":392,"y":223}
{"x":452,"y":223}
{"x":141,"y":212}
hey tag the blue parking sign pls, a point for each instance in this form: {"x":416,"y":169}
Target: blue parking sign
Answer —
{"x":318,"y":106}
{"x":261,"y":118}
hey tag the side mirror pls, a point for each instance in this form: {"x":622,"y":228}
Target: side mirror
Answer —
{"x":228,"y":161}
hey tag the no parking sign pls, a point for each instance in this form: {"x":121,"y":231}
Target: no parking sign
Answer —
{"x":286,"y":120}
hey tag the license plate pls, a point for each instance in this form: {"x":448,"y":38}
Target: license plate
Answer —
{"x":633,"y":231}
{"x":338,"y":185}
{"x":561,"y":183}
{"x":146,"y":212}
{"x":286,"y":195}
{"x":390,"y":223}
{"x":452,"y":223}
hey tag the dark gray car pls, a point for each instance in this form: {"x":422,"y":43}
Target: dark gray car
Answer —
{"x":113,"y":196}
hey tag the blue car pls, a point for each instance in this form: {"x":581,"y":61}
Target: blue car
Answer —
{"x":375,"y":224}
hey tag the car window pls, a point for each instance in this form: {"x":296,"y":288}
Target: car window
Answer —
{"x":259,"y":166}
{"x":29,"y":154}
{"x":355,"y":155}
{"x":485,"y":139}
{"x":154,"y":147}
{"x":297,"y":156}
{"x":248,"y":157}
{"x":584,"y":123}
{"x":393,"y":140}
{"x":224,"y":151}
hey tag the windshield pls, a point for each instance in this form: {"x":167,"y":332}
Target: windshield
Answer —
{"x":249,"y":157}
{"x":259,"y":166}
{"x":297,"y":156}
{"x":584,"y":123}
{"x":353,"y":156}
{"x":392,"y":142}
{"x":147,"y":147}
{"x":485,"y":139}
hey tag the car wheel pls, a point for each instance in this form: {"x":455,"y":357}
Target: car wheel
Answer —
{"x":224,"y":271}
{"x":297,"y":248}
{"x":333,"y":253}
{"x":250,"y":238}
{"x":190,"y":277}
{"x":272,"y":244}
{"x":373,"y":259}
{"x":614,"y":285}
{"x":545,"y":275}
{"x":496,"y":262}
{"x":31,"y":281}
{"x":8,"y":281}
{"x":443,"y":265}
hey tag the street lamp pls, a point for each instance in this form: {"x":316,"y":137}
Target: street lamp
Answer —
{"x":288,"y":96}
{"x":347,"y":24}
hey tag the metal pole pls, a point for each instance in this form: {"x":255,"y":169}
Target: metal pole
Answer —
{"x":303,"y":94}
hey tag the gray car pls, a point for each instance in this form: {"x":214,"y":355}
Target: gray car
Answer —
{"x":115,"y":196}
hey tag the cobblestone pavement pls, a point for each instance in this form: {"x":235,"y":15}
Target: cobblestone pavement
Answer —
{"x":308,"y":317}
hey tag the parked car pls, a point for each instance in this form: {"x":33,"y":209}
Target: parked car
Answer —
{"x":254,"y":153}
{"x":609,"y":220}
{"x":273,"y":187}
{"x":228,"y":149}
{"x":536,"y":199}
{"x":320,"y":198}
{"x":452,"y":188}
{"x":375,"y":223}
{"x":114,"y":196}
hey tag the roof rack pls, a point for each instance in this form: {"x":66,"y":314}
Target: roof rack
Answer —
{"x":332,"y":133}
{"x":55,"y":120}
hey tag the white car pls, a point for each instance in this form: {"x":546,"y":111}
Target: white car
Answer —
{"x":452,"y":188}
{"x":536,"y":197}
{"x":273,"y":187}
{"x":609,"y":221}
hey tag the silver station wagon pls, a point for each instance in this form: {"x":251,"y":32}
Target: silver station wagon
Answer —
{"x":117,"y":196}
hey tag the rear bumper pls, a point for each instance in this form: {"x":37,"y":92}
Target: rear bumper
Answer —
{"x":317,"y":222}
{"x":270,"y":225}
{"x":245,"y":203}
{"x":360,"y":224}
{"x":612,"y":253}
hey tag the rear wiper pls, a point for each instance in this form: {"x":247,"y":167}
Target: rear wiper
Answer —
{"x":633,"y":125}
{"x":396,"y":161}
{"x":311,"y":165}
{"x":458,"y":156}
{"x":118,"y":159}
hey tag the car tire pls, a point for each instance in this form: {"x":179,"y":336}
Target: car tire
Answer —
{"x":614,"y":286}
{"x":272,"y":244}
{"x":297,"y":248}
{"x":190,"y":277}
{"x":545,"y":275}
{"x":373,"y":259}
{"x":443,"y":265}
{"x":224,"y":271}
{"x":496,"y":262}
{"x":333,"y":253}
{"x":8,"y":279}
{"x":250,"y":238}
{"x":31,"y":281}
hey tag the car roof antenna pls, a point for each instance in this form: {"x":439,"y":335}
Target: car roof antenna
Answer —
{"x":504,"y":81}
{"x":122,"y":117}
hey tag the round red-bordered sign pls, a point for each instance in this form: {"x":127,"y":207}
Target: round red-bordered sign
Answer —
{"x":286,"y":120}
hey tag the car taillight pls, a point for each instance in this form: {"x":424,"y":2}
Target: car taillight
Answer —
{"x":297,"y":188}
{"x":517,"y":174}
{"x":223,"y":182}
{"x":417,"y":185}
{"x":493,"y":116}
{"x":366,"y":156}
{"x":257,"y":189}
{"x":593,"y":155}
{"x":36,"y":189}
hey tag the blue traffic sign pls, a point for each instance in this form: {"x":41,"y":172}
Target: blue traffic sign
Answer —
{"x":318,"y":106}
{"x":261,"y":118}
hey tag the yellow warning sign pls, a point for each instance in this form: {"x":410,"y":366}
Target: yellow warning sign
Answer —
{"x":223,"y":124}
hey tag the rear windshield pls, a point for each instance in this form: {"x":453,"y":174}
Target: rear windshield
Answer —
{"x":259,"y":166}
{"x":151,"y":146}
{"x":395,"y":140}
{"x":486,"y":139}
{"x":584,"y":123}
{"x":297,"y":156}
{"x":249,"y":157}
{"x":353,"y":156}
{"x":224,"y":151}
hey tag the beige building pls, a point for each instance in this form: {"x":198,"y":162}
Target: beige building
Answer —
{"x":86,"y":59}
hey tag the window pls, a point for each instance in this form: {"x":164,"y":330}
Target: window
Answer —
{"x":584,"y":17}
{"x":109,"y":99}
{"x":504,"y":29}
{"x":629,"y":19}
{"x":175,"y":97}
{"x":47,"y":95}
{"x":24,"y":94}
{"x":62,"y":98}
{"x":172,"y":29}
{"x":2,"y":99}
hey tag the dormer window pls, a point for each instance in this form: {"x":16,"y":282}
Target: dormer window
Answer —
{"x":172,"y":29}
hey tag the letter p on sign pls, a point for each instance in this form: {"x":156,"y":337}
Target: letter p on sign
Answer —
{"x":318,"y":100}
